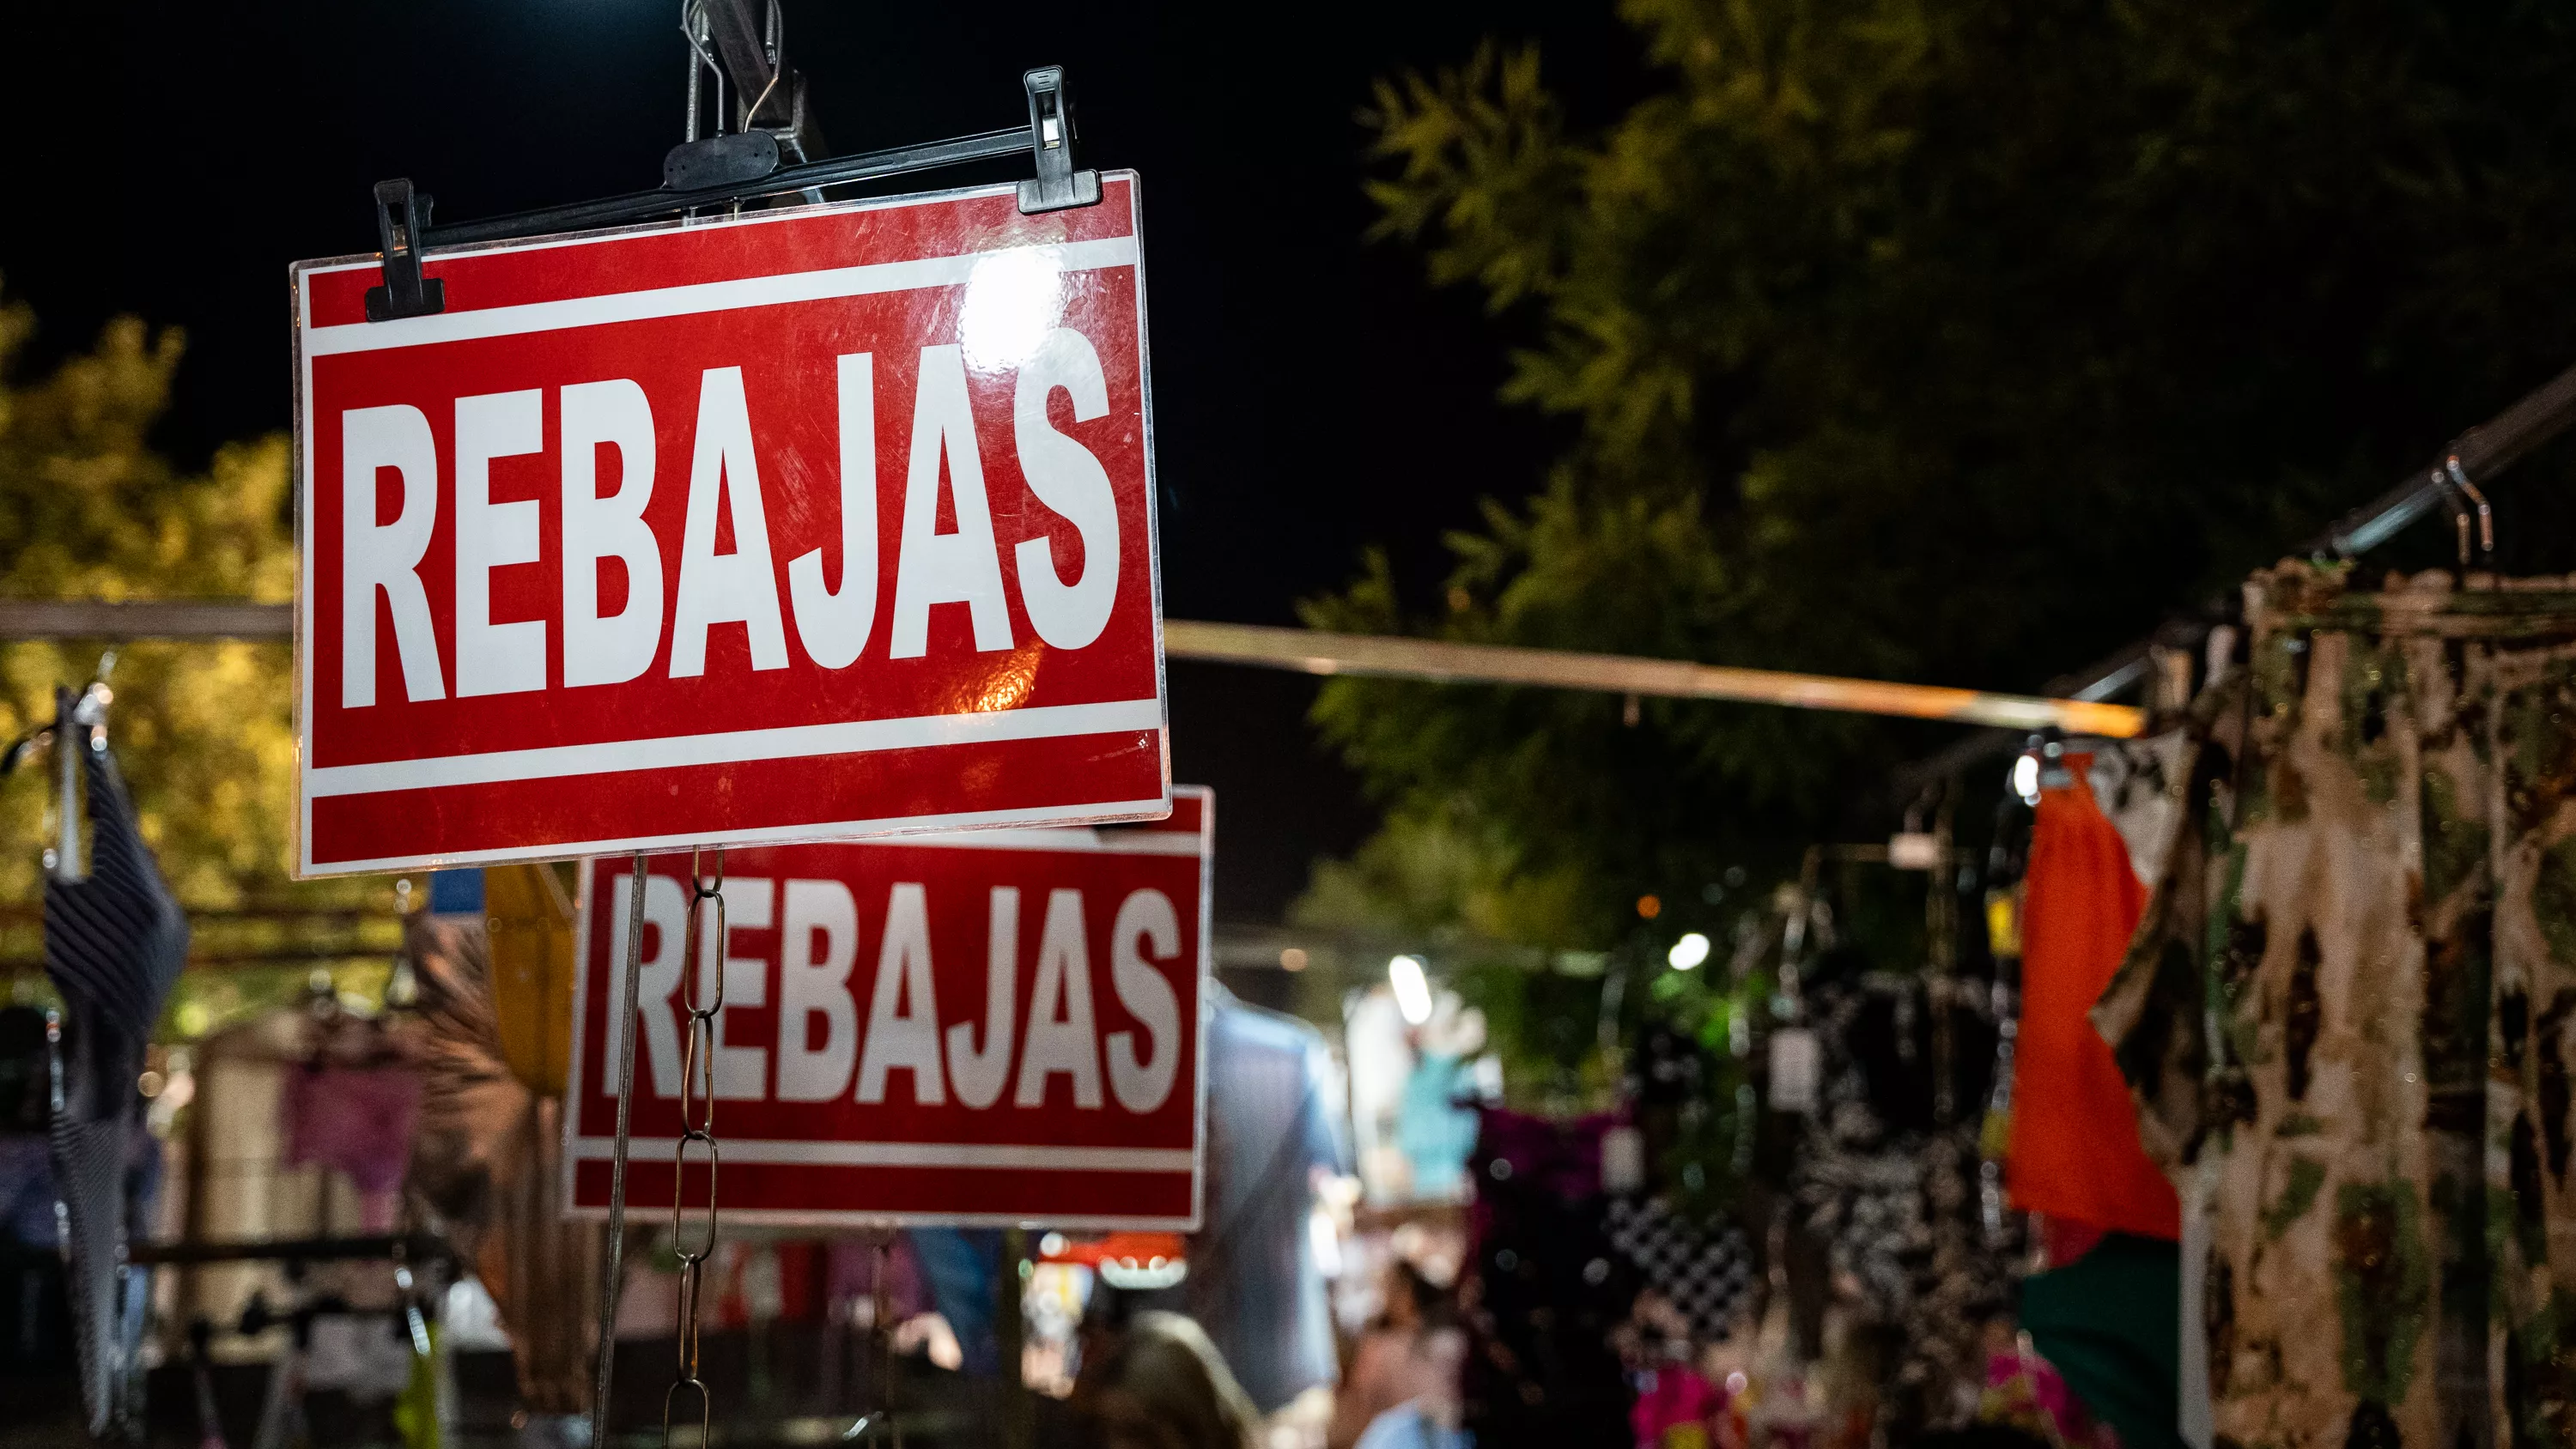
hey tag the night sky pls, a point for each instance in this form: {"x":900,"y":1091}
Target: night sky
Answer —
{"x":1313,"y":395}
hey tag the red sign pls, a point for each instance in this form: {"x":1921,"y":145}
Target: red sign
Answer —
{"x":808,"y":524}
{"x":994,"y":1026}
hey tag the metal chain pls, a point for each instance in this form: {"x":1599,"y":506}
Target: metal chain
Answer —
{"x":697,"y":1128}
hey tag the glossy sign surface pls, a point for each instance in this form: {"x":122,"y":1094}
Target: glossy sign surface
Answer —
{"x":985,"y":1027}
{"x":810,"y":524}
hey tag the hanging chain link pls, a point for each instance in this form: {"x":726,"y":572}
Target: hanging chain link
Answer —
{"x":704,"y":977}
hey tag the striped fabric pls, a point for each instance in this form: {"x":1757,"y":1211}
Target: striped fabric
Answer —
{"x":114,"y":943}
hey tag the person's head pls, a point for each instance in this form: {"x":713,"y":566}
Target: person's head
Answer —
{"x":1160,"y":1384}
{"x":1409,"y":1296}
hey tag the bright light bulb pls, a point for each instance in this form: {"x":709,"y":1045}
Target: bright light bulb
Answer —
{"x":2025,"y":779}
{"x":1014,"y":299}
{"x":1688,"y":952}
{"x":1412,"y":988}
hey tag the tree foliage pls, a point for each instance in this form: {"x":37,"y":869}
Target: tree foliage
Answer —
{"x":1952,"y":341}
{"x":89,"y":509}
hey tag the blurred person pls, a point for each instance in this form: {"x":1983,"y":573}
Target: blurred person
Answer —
{"x":1396,"y":1360}
{"x":1159,"y":1383}
{"x":1255,"y":1281}
{"x":1433,"y":1418}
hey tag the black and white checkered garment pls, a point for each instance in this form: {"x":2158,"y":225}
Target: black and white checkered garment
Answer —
{"x":1704,"y":1276}
{"x":114,"y":943}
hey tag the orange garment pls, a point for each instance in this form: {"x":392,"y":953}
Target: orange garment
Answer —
{"x":2074,"y":1149}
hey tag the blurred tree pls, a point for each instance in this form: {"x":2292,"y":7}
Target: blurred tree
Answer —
{"x":1952,"y":341}
{"x":89,"y":510}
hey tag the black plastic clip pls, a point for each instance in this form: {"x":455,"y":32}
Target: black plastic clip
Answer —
{"x":1058,"y":185}
{"x":405,"y":292}
{"x":720,"y":161}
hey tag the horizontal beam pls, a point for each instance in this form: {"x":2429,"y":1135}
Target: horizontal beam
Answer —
{"x":1306,"y":651}
{"x":383,"y":1248}
{"x":97,"y":619}
{"x":1441,"y":662}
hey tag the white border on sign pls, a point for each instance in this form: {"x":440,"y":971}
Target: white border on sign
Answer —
{"x":578,"y":1149}
{"x":755,"y":291}
{"x":732,"y":294}
{"x":784,"y":742}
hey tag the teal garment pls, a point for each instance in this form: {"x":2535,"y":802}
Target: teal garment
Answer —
{"x":2111,"y":1324}
{"x":1436,"y":1135}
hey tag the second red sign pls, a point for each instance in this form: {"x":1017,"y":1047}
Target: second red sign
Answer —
{"x":987,"y":1027}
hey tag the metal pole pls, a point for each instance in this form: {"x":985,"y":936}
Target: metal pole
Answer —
{"x":608,"y":1289}
{"x":2481,"y":453}
{"x":1009,"y":1328}
{"x":2474,"y":457}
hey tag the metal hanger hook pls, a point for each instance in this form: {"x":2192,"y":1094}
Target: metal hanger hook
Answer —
{"x":2486,"y":515}
{"x":693,"y":19}
{"x":2459,"y":515}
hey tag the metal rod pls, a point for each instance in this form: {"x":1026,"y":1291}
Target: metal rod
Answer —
{"x":1010,"y":1329}
{"x":640,"y":205}
{"x":608,"y":1289}
{"x":2478,"y":454}
{"x":1443,"y":662}
{"x":154,"y":619}
{"x":417,"y":1247}
{"x":11,"y":966}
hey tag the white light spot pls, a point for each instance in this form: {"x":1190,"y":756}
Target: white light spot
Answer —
{"x":1013,"y":300}
{"x":1688,"y":952}
{"x":2025,"y":779}
{"x":1412,"y":988}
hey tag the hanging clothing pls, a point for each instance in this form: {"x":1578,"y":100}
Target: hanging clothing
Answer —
{"x":2074,"y":1147}
{"x":1375,"y":1045}
{"x":2138,"y":784}
{"x":2377,"y":914}
{"x":488,"y":1156}
{"x":358,"y":1120}
{"x":1674,"y":1409}
{"x":2025,"y":1392}
{"x":1541,"y":1370}
{"x":1433,"y":1127}
{"x":1706,"y":1275}
{"x":1253,"y":1281}
{"x":1893,"y":1203}
{"x":2110,"y":1325}
{"x":27,"y":1192}
{"x":114,"y":944}
{"x":963,"y":1266}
